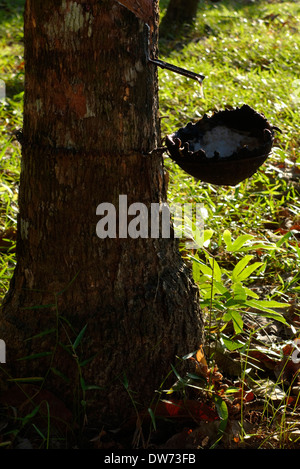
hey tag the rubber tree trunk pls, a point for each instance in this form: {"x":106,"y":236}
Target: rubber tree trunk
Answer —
{"x":90,"y":120}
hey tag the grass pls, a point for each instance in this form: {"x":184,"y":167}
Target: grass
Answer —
{"x":249,"y":53}
{"x":12,"y":73}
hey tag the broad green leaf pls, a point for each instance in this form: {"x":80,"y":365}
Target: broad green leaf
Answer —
{"x":82,"y":383}
{"x":209,"y":289}
{"x":284,"y":238}
{"x":222,"y":410}
{"x":202,"y":266}
{"x":274,"y":304}
{"x":250,"y":269}
{"x":198,"y":235}
{"x":219,"y":288}
{"x":39,"y":432}
{"x":196,"y":272}
{"x":41,"y":334}
{"x":69,"y":284}
{"x":152,"y":417}
{"x":125,"y":381}
{"x":239,"y":292}
{"x":247,"y":271}
{"x":195,"y":377}
{"x":240,"y":266}
{"x":259,"y":246}
{"x":36,"y":355}
{"x":87,"y":360}
{"x":239,"y":242}
{"x":90,"y":387}
{"x":231,"y":344}
{"x":232,"y":390}
{"x":234,"y":302}
{"x":79,"y":337}
{"x":227,"y":239}
{"x":267,"y":305}
{"x":236,"y":318}
{"x":65,"y":320}
{"x":250,"y":293}
{"x":217,"y":305}
{"x":30,"y":379}
{"x":31,"y":415}
{"x":207,"y":235}
{"x":264,"y":308}
{"x":189,"y":355}
{"x":60,"y":374}
{"x":297,"y":250}
{"x":237,"y":322}
{"x":176,"y":373}
{"x":216,"y":270}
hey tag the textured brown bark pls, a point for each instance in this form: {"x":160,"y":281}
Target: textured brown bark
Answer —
{"x":90,"y":118}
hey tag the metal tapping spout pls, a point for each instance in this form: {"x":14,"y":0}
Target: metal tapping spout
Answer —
{"x":173,"y":68}
{"x":179,"y":70}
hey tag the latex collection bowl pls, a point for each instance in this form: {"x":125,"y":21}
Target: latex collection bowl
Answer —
{"x":223,"y":149}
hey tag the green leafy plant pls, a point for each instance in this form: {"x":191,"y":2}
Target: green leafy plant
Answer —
{"x":223,"y":290}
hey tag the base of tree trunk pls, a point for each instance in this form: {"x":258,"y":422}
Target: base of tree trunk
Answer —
{"x":160,"y":323}
{"x":98,"y":322}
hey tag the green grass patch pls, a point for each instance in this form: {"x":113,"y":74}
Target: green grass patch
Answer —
{"x":249,"y":54}
{"x":11,"y":116}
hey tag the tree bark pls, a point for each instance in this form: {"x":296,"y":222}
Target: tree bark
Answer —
{"x":90,"y":120}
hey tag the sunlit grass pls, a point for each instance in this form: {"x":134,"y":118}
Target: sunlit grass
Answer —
{"x":11,"y":116}
{"x":249,"y":54}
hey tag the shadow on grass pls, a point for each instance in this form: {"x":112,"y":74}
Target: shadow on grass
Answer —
{"x":10,"y":8}
{"x":14,"y":87}
{"x":11,"y":35}
{"x":180,"y":35}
